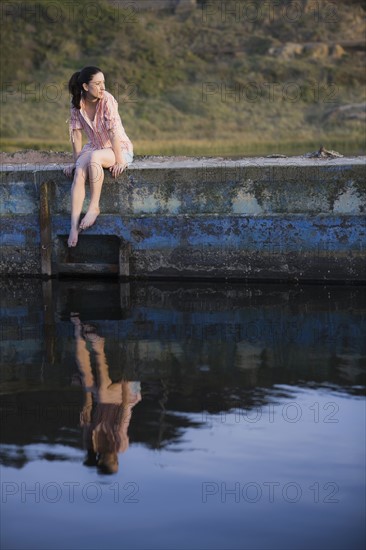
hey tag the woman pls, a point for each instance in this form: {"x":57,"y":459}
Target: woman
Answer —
{"x":95,"y":111}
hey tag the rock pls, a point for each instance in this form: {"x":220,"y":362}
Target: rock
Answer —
{"x":287,"y":51}
{"x":323,"y":154}
{"x":314,"y":50}
{"x":317,"y":50}
{"x":337,"y":51}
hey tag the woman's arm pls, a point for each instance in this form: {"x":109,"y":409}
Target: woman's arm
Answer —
{"x":120,"y":163}
{"x":77,"y":144}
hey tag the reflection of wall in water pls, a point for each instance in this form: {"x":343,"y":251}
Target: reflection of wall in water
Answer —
{"x":161,"y":331}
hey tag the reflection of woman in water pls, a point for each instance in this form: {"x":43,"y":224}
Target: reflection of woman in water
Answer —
{"x":107,"y":406}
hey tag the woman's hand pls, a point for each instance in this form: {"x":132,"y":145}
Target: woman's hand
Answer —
{"x":117,"y":169}
{"x":69,"y":170}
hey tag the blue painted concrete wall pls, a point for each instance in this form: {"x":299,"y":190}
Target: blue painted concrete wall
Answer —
{"x":270,"y":219}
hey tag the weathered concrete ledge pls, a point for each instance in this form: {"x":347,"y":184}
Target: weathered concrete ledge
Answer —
{"x":256,"y":218}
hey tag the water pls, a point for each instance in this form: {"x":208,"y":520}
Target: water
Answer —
{"x":237,"y":416}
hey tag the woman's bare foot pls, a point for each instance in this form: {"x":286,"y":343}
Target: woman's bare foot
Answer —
{"x":74,"y":318}
{"x":89,"y":218}
{"x":73,"y":237}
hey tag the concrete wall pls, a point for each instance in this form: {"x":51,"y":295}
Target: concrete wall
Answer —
{"x":270,"y":219}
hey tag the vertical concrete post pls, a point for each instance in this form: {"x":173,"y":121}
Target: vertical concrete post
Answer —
{"x":125,"y":297}
{"x":49,"y":322}
{"x":124,"y":259}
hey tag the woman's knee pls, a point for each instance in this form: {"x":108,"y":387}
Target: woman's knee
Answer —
{"x":96,"y":170}
{"x":95,"y":163}
{"x":95,"y":159}
{"x":102,"y":157}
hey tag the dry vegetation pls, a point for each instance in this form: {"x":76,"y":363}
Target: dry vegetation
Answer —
{"x":202,"y":81}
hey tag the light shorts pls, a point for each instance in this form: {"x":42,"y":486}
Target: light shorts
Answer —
{"x":128,"y":156}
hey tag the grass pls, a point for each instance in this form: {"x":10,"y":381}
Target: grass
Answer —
{"x":236,"y":147}
{"x":173,"y":76}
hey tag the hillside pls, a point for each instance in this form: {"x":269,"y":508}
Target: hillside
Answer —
{"x":233,"y":74}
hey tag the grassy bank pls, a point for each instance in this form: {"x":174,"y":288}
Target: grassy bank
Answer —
{"x":191,"y":83}
{"x":228,"y":148}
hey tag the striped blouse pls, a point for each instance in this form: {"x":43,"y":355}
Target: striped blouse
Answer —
{"x":106,"y":118}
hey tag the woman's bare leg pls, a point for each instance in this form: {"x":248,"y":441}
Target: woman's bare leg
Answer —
{"x":102,"y":158}
{"x":77,"y":197}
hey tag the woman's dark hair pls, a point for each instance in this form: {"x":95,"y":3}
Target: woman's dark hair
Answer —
{"x":76,"y":83}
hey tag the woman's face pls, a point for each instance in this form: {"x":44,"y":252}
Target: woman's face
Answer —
{"x":96,"y":86}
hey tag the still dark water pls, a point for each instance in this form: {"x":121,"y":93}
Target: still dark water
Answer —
{"x":182,"y":416}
